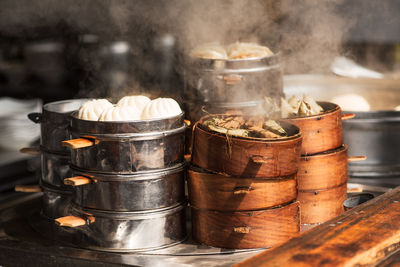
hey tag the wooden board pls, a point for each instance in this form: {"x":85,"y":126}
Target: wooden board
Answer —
{"x":361,"y":236}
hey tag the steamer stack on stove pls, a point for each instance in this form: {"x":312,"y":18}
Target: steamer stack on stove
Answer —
{"x":128,"y":184}
{"x":322,"y":176}
{"x":55,"y":159}
{"x":241,"y":192}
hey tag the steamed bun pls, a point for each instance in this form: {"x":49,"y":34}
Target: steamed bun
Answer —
{"x":351,"y":102}
{"x":161,"y":108}
{"x":92,"y":109}
{"x":138,"y":101}
{"x":117,"y":113}
{"x":248,"y":50}
{"x":209,"y":51}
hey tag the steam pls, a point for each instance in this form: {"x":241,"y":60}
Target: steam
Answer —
{"x":308,"y":33}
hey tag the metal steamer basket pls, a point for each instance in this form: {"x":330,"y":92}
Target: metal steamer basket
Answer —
{"x":55,"y":202}
{"x":232,"y":80}
{"x":55,"y":121}
{"x":55,"y":168}
{"x":127,"y":231}
{"x":126,"y":147}
{"x":135,"y":192}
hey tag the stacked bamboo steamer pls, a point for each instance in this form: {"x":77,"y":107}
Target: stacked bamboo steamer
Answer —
{"x":322,"y":176}
{"x":128,"y":184}
{"x":242,"y":191}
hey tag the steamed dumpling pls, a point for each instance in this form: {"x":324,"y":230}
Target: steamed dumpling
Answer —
{"x":209,"y":51}
{"x":248,"y":50}
{"x":92,"y":109}
{"x":138,"y":101}
{"x":352,"y":102}
{"x":161,"y":108}
{"x":117,"y":113}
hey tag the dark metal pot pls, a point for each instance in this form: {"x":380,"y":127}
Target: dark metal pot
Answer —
{"x":128,"y":231}
{"x":55,"y":203}
{"x":55,"y":168}
{"x":55,"y":121}
{"x":137,"y":192}
{"x":375,"y":134}
{"x":232,"y":80}
{"x":127,"y":147}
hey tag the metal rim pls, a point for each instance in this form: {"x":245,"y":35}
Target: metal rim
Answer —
{"x":325,"y":113}
{"x":149,"y":175}
{"x":129,"y":215}
{"x":135,"y":136}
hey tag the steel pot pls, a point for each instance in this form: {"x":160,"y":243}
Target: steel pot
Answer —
{"x":127,"y":231}
{"x":55,"y":168}
{"x":375,"y":134}
{"x":247,"y":157}
{"x":232,"y":80}
{"x":55,"y":121}
{"x":135,"y":192}
{"x":55,"y":203}
{"x":126,"y":147}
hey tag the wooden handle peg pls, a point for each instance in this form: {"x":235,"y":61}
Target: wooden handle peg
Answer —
{"x":348,"y":116}
{"x":79,"y":143}
{"x":27,"y":188}
{"x":356,"y":158}
{"x":77,"y":181}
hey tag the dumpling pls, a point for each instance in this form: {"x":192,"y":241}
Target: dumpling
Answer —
{"x":210,"y":51}
{"x":117,"y":113}
{"x":352,"y":102}
{"x":138,"y":101}
{"x":91,"y":110}
{"x":161,"y":108}
{"x":397,"y":108}
{"x":248,"y":50}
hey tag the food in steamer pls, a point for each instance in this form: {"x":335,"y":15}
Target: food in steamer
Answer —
{"x":139,"y":101}
{"x":92,"y":109}
{"x":161,"y":108}
{"x":297,"y":106}
{"x":118,"y":113}
{"x":129,"y":108}
{"x":236,"y":50}
{"x":239,"y":126}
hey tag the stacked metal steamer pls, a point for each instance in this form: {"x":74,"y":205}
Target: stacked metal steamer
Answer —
{"x":128,"y":184}
{"x":242,"y":191}
{"x":322,"y":176}
{"x":55,"y":159}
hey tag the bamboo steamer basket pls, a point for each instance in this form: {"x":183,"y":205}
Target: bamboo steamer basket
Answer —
{"x":219,"y":192}
{"x":247,"y":157}
{"x":323,"y":131}
{"x":318,"y":206}
{"x":246,"y":229}
{"x":323,"y":170}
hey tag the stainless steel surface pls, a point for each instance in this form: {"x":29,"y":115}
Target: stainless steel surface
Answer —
{"x":55,"y":121}
{"x":129,"y":147}
{"x":137,"y":192}
{"x":374,"y":134}
{"x":234,"y":80}
{"x":130,"y":231}
{"x":55,"y":203}
{"x":377,"y":136}
{"x":55,"y":168}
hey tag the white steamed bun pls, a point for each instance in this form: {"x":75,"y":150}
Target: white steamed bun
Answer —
{"x":139,"y":101}
{"x":91,"y":110}
{"x":117,"y":113}
{"x":248,"y":50}
{"x":351,"y":102}
{"x":161,"y":108}
{"x":209,"y":51}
